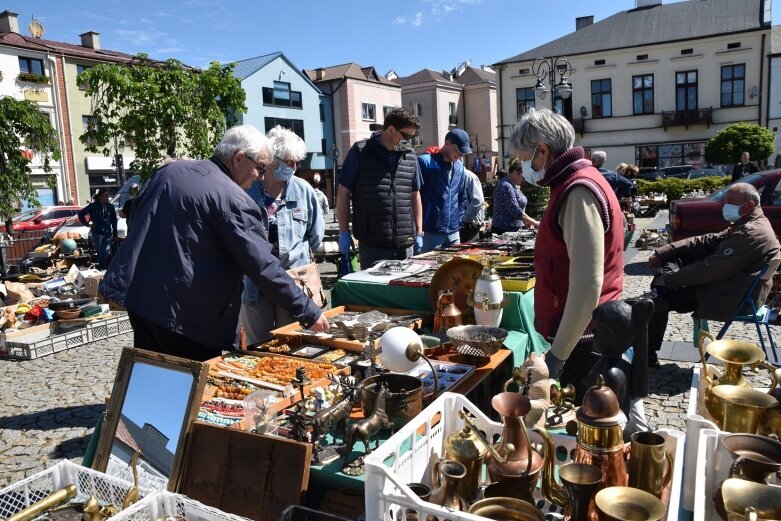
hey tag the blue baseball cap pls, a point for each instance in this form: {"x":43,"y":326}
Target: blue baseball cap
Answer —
{"x":460,"y":139}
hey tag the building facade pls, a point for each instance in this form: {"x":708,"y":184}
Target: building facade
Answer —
{"x":774,"y":92}
{"x":652,"y":84}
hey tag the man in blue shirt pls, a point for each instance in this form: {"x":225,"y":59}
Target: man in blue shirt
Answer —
{"x":622,"y":186}
{"x":103,"y":225}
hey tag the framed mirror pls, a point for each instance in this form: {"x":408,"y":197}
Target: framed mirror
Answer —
{"x":153,"y":403}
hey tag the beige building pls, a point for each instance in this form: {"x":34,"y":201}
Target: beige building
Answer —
{"x":360,"y":96}
{"x":464,"y":98}
{"x":652,"y":84}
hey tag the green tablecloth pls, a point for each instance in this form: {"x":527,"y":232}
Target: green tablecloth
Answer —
{"x":518,"y":316}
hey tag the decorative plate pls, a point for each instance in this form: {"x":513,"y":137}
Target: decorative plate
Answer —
{"x":458,"y":274}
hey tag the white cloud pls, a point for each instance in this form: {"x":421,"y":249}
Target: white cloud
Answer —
{"x":138,"y":37}
{"x":418,"y":19}
{"x":400,"y":20}
{"x":436,"y":8}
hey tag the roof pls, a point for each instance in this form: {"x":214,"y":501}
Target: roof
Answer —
{"x":425,"y":76}
{"x":152,"y":450}
{"x":68,"y":49}
{"x":350,"y":70}
{"x":246,"y":68}
{"x":654,"y":24}
{"x":474,"y":75}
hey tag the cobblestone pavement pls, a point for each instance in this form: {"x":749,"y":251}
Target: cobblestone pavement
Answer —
{"x":49,"y":406}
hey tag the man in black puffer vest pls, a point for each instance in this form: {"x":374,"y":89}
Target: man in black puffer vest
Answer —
{"x":380,"y":175}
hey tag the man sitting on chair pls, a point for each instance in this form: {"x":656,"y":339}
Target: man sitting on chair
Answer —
{"x":711,"y":273}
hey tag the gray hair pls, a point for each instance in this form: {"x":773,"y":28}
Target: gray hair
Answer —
{"x":747,"y":192}
{"x":286,"y":144}
{"x":242,"y":138}
{"x":542,"y":126}
{"x":598,"y":158}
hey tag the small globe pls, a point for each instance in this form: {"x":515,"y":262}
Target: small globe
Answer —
{"x":68,"y":246}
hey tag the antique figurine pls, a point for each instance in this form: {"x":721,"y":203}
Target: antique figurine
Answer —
{"x":299,"y":423}
{"x":368,"y":427}
{"x":337,"y":414}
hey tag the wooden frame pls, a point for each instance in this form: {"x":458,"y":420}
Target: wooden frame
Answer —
{"x":129,"y":357}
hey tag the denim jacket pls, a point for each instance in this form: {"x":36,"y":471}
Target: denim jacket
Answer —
{"x":300,"y":228}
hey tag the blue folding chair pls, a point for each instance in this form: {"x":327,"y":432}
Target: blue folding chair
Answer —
{"x":759,"y":317}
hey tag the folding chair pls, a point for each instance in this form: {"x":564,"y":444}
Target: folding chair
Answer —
{"x":759,"y":317}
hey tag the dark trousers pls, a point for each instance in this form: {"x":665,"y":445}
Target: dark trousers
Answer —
{"x":152,"y":337}
{"x":470,"y":232}
{"x":576,"y":369}
{"x":680,"y":300}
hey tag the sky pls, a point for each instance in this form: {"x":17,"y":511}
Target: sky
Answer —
{"x":404,"y":35}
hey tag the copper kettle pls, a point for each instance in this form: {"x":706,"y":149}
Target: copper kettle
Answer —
{"x":447,"y":313}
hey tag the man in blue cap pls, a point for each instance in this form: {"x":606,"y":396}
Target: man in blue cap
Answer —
{"x":444,"y":191}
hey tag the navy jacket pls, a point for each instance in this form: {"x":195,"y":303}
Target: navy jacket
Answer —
{"x":194,"y":236}
{"x":622,"y":186}
{"x":102,"y":216}
{"x":444,"y":197}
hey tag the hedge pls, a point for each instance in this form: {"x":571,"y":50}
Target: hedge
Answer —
{"x":675,"y":188}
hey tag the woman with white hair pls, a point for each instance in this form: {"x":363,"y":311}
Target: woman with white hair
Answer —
{"x":579,"y":250}
{"x":295,"y":227}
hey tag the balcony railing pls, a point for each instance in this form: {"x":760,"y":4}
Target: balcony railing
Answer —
{"x":579,"y":124}
{"x":453,"y":119}
{"x":673,"y":118}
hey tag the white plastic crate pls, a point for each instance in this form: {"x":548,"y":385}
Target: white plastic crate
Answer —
{"x":27,"y":349}
{"x":166,"y":504}
{"x":24,"y":493}
{"x":406,"y":456}
{"x":118,"y":324}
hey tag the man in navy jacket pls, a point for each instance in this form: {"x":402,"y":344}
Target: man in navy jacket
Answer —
{"x":195,"y":234}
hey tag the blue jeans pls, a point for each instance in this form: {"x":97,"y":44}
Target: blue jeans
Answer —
{"x":102,"y":248}
{"x":432,"y":240}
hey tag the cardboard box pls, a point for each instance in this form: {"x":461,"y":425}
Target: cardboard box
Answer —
{"x":91,"y":283}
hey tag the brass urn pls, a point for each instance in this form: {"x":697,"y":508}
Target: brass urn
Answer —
{"x":466,"y":448}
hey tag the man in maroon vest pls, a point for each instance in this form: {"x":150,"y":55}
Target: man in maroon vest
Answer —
{"x":579,"y":251}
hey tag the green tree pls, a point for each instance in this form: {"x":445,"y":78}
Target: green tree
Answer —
{"x":726,"y":146}
{"x":23,"y":127}
{"x":161,"y":108}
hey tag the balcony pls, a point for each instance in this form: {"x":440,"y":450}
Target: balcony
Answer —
{"x":579,"y":124}
{"x":453,"y":119}
{"x":673,"y":118}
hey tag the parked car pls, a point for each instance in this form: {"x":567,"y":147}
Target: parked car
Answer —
{"x":678,"y":171}
{"x":649,"y":173}
{"x":42,"y":218}
{"x":706,"y":172}
{"x":690,"y":217}
{"x":73,"y":225}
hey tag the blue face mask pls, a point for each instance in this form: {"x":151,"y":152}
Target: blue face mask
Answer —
{"x":731,"y":212}
{"x":283,"y":171}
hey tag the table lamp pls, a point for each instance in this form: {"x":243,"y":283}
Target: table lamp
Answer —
{"x":401,"y":348}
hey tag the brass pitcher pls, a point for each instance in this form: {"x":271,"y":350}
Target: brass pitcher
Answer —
{"x":466,"y":448}
{"x":447,"y":314}
{"x":734,"y":354}
{"x":446,"y":475}
{"x":741,"y":407}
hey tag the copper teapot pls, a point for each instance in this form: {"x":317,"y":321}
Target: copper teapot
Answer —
{"x":447,"y":314}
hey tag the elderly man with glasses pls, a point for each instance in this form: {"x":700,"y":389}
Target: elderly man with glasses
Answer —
{"x":196,"y":233}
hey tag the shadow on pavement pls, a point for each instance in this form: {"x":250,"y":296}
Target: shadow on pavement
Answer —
{"x":637,"y":269}
{"x":669,"y":379}
{"x":55,"y":418}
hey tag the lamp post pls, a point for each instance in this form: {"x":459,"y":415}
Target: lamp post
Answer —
{"x":119,"y":147}
{"x":334,"y":155}
{"x":557,"y":71}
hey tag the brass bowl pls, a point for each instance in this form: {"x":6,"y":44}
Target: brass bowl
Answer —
{"x":628,"y":504}
{"x":485,"y":340}
{"x":739,"y":494}
{"x":506,"y":509}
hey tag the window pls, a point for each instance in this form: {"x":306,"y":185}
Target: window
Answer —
{"x":562,"y":106}
{"x":88,"y":123}
{"x":734,"y":45}
{"x":524,"y":99}
{"x":417,"y":108}
{"x":643,"y":94}
{"x":451,"y":108}
{"x":281,"y":95}
{"x":323,"y":146}
{"x":687,"y":51}
{"x":733,"y":85}
{"x":601,"y":99}
{"x":296,"y":125}
{"x":641,"y":57}
{"x":675,"y":154}
{"x":523,"y":71}
{"x":367,"y":112}
{"x":686,"y":90}
{"x":79,"y":70}
{"x":599,"y":62}
{"x":386,"y":110}
{"x":322,"y":112}
{"x":31,"y":66}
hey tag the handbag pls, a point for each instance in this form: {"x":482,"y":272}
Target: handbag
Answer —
{"x":308,"y":278}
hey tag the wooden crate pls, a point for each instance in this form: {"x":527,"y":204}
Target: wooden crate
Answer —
{"x":293,"y":330}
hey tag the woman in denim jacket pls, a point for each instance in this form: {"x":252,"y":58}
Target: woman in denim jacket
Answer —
{"x":295,"y":227}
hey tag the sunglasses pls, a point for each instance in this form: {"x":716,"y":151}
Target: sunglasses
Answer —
{"x":408,"y":137}
{"x":260,"y":167}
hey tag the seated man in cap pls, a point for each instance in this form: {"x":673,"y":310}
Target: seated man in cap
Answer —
{"x":444,"y":191}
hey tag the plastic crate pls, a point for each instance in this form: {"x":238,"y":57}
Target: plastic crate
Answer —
{"x":166,"y":504}
{"x":19,"y":348}
{"x":118,"y":324}
{"x":405,"y":458}
{"x":20,"y":495}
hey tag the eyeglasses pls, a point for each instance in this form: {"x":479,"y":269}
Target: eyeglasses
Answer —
{"x":407,"y":137}
{"x":260,"y":167}
{"x":289,"y":162}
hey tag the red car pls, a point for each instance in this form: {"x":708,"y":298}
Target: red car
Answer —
{"x":42,"y":218}
{"x":690,"y":217}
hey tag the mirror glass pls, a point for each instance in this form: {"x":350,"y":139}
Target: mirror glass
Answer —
{"x":151,"y":420}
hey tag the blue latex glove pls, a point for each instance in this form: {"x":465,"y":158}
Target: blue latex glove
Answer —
{"x":345,"y":243}
{"x":555,"y":365}
{"x":418,"y":243}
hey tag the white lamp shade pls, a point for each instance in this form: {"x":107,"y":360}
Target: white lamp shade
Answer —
{"x":394,"y":344}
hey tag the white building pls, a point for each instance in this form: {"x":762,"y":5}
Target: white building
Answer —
{"x":652,"y":84}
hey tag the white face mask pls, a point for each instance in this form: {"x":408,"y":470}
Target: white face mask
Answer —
{"x":731,"y":212}
{"x":532,"y":176}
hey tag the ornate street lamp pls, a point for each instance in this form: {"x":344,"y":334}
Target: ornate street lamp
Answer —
{"x":557,"y":71}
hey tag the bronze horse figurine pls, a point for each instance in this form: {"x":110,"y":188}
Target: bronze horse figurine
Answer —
{"x":337,"y":414}
{"x":368,"y":427}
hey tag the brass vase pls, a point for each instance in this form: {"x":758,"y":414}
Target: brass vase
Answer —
{"x":741,"y":407}
{"x":581,"y":482}
{"x":446,"y":475}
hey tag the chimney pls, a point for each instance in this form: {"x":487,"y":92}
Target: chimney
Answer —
{"x":583,"y":21}
{"x":319,"y":74}
{"x":91,"y":40}
{"x":9,"y":22}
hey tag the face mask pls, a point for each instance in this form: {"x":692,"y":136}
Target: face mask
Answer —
{"x":529,"y":174}
{"x":283,"y":171}
{"x":731,"y":212}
